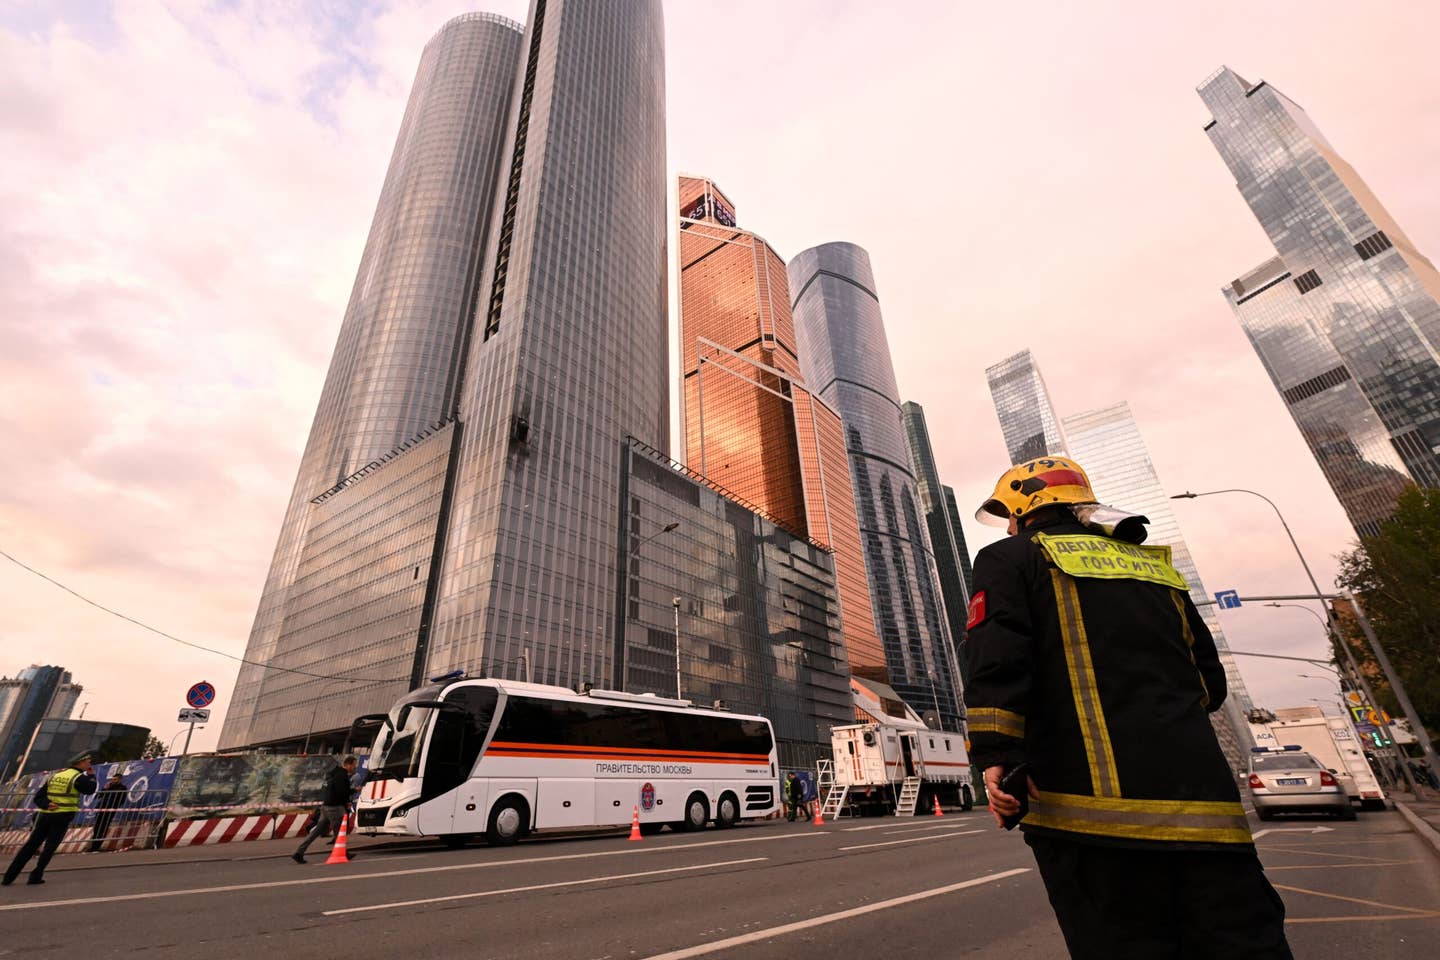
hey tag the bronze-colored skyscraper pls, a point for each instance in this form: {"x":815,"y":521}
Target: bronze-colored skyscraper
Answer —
{"x":750,"y":424}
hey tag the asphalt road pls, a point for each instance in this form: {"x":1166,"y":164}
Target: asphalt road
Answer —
{"x":922,"y":887}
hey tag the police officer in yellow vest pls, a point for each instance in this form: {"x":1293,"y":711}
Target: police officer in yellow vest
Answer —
{"x":1090,"y":665}
{"x":61,"y":795}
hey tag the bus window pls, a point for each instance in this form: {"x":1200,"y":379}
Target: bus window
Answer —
{"x":457,"y":738}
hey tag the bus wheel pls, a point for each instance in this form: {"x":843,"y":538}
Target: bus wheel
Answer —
{"x":697,"y":813}
{"x":507,"y":822}
{"x":967,"y":799}
{"x":727,"y":811}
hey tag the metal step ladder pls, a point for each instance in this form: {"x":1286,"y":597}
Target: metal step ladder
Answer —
{"x":909,"y":795}
{"x":834,"y":802}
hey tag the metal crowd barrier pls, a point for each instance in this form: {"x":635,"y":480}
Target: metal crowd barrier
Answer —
{"x":92,"y":831}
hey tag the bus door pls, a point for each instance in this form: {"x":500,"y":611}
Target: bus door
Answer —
{"x":457,"y":734}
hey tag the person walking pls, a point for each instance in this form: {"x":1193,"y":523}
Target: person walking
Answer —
{"x":1091,"y":676}
{"x":794,"y":795}
{"x":59,"y":801}
{"x":334,"y":803}
{"x":110,"y":798}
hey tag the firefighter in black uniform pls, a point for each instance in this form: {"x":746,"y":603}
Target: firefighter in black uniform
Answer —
{"x":1089,"y":664}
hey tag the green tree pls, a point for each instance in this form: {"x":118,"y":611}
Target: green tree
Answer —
{"x":1396,"y":577}
{"x":154,"y":747}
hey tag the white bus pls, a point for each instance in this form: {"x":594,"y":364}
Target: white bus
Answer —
{"x":499,"y":758}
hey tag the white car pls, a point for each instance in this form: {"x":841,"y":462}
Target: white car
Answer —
{"x":1289,"y":780}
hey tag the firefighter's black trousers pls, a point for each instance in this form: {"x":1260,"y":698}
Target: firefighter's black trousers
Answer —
{"x":1119,"y":903}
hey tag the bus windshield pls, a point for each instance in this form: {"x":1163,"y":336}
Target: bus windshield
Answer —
{"x":397,"y":748}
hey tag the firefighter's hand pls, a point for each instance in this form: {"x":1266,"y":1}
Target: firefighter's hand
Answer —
{"x":1001,"y":803}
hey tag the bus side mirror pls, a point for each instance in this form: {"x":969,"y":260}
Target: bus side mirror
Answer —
{"x":371,"y":719}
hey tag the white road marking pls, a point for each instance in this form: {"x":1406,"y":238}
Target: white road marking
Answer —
{"x":704,"y":948}
{"x":883,"y":826}
{"x":379,"y":874}
{"x":933,"y":836}
{"x":1260,"y":833}
{"x":929,"y":826}
{"x":538,"y":886}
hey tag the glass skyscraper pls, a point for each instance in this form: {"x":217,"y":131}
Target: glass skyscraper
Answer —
{"x":32,"y":695}
{"x":1346,"y":317}
{"x":757,"y":624}
{"x":1108,"y":445}
{"x":751,"y":424}
{"x":1027,"y":418}
{"x":947,"y":540}
{"x":394,"y":376}
{"x":570,"y":353}
{"x":952,"y":510}
{"x":845,"y":356}
{"x":458,"y":501}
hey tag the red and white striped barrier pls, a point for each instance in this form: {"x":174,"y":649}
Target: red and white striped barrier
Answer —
{"x":192,"y":833}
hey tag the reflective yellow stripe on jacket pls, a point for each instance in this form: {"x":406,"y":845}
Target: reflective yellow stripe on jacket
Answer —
{"x":1104,"y":777}
{"x":995,"y":720}
{"x":64,"y":798}
{"x":1198,"y":821}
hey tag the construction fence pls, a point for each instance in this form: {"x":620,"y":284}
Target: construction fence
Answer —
{"x":178,"y":801}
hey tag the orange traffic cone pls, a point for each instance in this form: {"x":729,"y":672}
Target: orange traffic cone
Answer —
{"x":338,"y":853}
{"x":819,"y":821}
{"x":938,"y":812}
{"x":635,"y":825}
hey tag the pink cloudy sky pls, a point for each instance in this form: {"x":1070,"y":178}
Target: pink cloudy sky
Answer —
{"x":186,"y":194}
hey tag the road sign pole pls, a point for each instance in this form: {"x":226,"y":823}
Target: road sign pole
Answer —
{"x":1396,"y":687}
{"x":188,"y":734}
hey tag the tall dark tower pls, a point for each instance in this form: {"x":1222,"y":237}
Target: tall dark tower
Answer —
{"x":846,"y":359}
{"x":393,"y":381}
{"x":569,"y":356}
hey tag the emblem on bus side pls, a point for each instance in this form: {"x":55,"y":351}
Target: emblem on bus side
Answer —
{"x":647,"y":797}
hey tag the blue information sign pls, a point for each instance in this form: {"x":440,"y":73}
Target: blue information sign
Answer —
{"x":1227,"y":599}
{"x":200,"y":695}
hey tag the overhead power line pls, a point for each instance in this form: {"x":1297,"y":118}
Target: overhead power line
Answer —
{"x":188,"y":643}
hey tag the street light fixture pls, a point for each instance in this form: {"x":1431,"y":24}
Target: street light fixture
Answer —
{"x":170,"y":749}
{"x":1396,"y":686}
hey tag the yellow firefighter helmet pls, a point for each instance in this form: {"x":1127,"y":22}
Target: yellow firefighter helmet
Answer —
{"x":1029,"y":486}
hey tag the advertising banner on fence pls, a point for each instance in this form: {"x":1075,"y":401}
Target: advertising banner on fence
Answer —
{"x":248,"y":783}
{"x":147,"y":783}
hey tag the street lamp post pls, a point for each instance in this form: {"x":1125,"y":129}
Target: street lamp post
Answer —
{"x":1334,"y":628}
{"x":935,"y":697}
{"x":169,"y":750}
{"x":624,"y":678}
{"x":316,"y":709}
{"x":676,"y":602}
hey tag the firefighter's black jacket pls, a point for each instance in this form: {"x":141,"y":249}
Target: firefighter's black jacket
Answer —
{"x":1101,"y":679}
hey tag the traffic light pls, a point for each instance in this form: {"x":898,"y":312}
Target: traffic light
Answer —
{"x":1379,"y":739}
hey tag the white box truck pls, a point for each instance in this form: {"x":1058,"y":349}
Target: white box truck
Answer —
{"x":891,"y":762}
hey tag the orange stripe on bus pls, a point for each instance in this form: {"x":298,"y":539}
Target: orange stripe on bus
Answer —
{"x":620,"y":757}
{"x":510,"y":745}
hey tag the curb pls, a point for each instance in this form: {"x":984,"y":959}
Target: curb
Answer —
{"x":1426,"y":832}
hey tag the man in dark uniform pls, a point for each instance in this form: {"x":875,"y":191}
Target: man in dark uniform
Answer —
{"x":61,"y":801}
{"x":1089,"y":664}
{"x":334,"y":802}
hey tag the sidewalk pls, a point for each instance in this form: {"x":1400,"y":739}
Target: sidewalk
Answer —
{"x":1423,"y":816}
{"x":223,"y":853}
